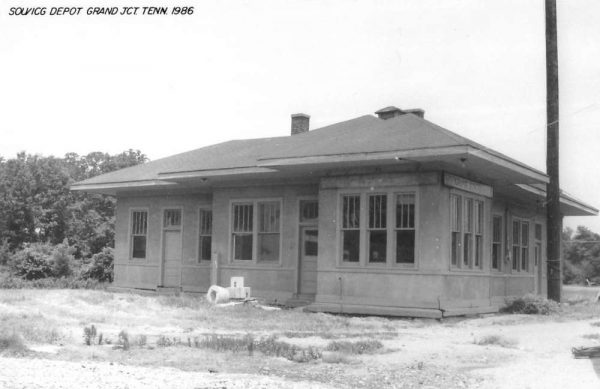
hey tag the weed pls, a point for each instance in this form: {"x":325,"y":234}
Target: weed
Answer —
{"x":334,"y":357}
{"x":141,"y":340}
{"x":595,"y":324}
{"x":123,"y":341}
{"x":100,"y":338}
{"x":531,"y":304}
{"x":89,"y":334}
{"x":591,"y":336}
{"x":12,"y":344}
{"x":358,"y":347}
{"x":497,"y":340}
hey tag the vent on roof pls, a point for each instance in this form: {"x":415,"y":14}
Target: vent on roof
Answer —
{"x":300,"y":123}
{"x":391,"y":112}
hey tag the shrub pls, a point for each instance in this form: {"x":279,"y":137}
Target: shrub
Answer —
{"x":5,"y":253}
{"x":497,"y":340}
{"x":49,"y":283}
{"x":530,"y":304}
{"x":359,"y":347}
{"x":33,"y":261}
{"x":123,"y":341}
{"x":62,"y":258}
{"x":141,"y":340}
{"x":101,"y":267}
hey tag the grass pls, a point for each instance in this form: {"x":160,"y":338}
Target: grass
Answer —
{"x":358,"y":347}
{"x":496,"y":340}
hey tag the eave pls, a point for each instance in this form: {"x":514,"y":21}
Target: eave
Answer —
{"x":570,"y":206}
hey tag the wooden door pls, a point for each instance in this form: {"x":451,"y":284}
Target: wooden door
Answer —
{"x":309,"y":238}
{"x":171,"y":258}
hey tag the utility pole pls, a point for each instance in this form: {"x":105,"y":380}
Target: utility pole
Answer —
{"x":554,"y":217}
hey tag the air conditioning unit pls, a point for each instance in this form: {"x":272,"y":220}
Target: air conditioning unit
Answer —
{"x":237,"y":290}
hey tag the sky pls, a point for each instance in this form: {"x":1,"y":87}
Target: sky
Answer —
{"x":236,"y":69}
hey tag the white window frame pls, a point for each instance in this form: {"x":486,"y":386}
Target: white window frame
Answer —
{"x":130,"y":233}
{"x":363,"y":229}
{"x":200,"y":235}
{"x":464,"y":199}
{"x":255,"y":207}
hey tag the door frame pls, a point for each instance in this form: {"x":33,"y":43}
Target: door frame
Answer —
{"x":163,"y":229}
{"x":303,"y":228}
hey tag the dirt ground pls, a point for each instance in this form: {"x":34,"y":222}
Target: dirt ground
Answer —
{"x":522,"y":351}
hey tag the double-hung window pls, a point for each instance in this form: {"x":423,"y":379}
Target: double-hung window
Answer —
{"x":139,"y":231}
{"x":497,"y":243}
{"x":520,"y":245}
{"x":351,"y":228}
{"x":256,"y":231}
{"x":405,"y":228}
{"x":204,"y":235}
{"x":377,"y":228}
{"x":466,"y":227}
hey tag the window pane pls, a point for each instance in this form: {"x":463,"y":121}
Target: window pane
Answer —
{"x":468,"y":249}
{"x":242,"y":247}
{"x":309,"y":210}
{"x":455,"y":213}
{"x":268,"y":247}
{"x":405,"y":246}
{"x":172,"y":218}
{"x":497,"y":229}
{"x":496,"y":255}
{"x":524,"y":259}
{"x":350,"y":245}
{"x":377,"y":211}
{"x":515,"y":261}
{"x":405,"y":210}
{"x":478,"y":250}
{"x":468,"y":215}
{"x":516,"y":232}
{"x":479,"y":218}
{"x":311,"y":238}
{"x":205,"y":222}
{"x":204,"y":249}
{"x":538,"y":232}
{"x":456,"y":246}
{"x":139,"y":223}
{"x":268,"y":216}
{"x":242,"y":217}
{"x":377,"y":246}
{"x":139,"y":246}
{"x":525,"y":234}
{"x":351,"y":212}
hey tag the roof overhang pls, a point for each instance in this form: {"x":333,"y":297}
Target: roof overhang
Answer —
{"x":110,"y":188}
{"x":488,"y":165}
{"x":569,"y":205}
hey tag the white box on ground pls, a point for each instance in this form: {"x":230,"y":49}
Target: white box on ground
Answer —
{"x":237,"y":282}
{"x":239,"y":292}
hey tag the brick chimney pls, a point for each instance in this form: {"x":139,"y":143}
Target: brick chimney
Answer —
{"x":391,"y":112}
{"x":300,"y":123}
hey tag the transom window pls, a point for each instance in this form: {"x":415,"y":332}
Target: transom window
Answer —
{"x":256,"y":231}
{"x":309,"y":211}
{"x":172,"y":218}
{"x":388,"y":231}
{"x":139,"y":230}
{"x":204,"y":235}
{"x":466,"y":226}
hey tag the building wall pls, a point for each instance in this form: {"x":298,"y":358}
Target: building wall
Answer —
{"x":433,"y":284}
{"x":145,"y":273}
